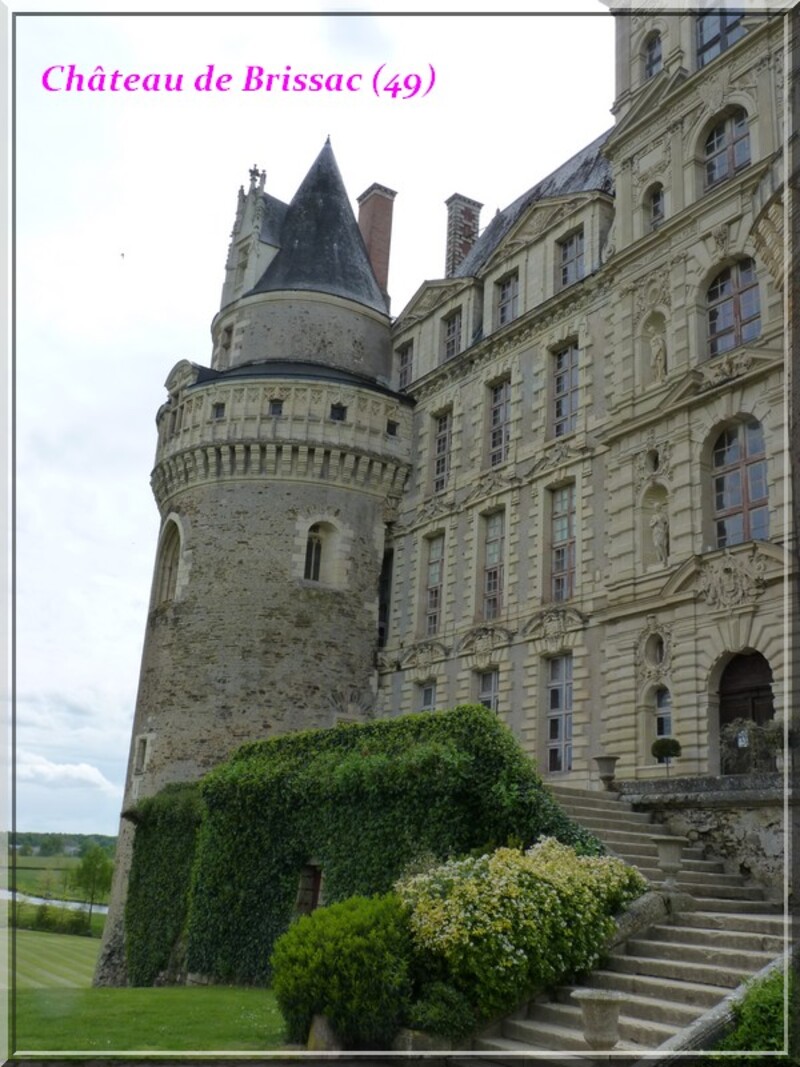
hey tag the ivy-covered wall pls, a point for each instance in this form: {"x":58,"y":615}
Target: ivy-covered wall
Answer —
{"x":362,"y":801}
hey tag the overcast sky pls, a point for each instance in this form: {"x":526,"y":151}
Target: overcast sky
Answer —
{"x":125,"y":203}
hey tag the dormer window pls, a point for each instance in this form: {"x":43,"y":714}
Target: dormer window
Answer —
{"x":507,"y":291}
{"x":716,"y":32}
{"x":652,"y":56}
{"x":451,"y":334}
{"x":570,"y":258}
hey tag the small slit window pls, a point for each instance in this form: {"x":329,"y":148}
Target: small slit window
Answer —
{"x":338,"y":412}
{"x":313,"y":554}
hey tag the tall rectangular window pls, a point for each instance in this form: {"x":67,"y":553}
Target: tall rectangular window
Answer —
{"x":489,"y":689}
{"x":559,"y":713}
{"x":562,"y":542}
{"x":442,"y":433}
{"x":494,"y":547}
{"x":565,"y":390}
{"x":433,"y":585}
{"x":717,"y":32}
{"x":507,"y":293}
{"x":451,"y":335}
{"x":570,"y":258}
{"x":426,"y":696}
{"x":499,"y":422}
{"x":405,"y":365}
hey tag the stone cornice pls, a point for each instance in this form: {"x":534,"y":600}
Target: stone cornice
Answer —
{"x":370,"y":473}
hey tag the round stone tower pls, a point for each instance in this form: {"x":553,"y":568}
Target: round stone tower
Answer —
{"x":276,"y":470}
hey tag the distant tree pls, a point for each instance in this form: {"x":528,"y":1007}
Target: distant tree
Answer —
{"x":93,"y":875}
{"x":51,"y":845}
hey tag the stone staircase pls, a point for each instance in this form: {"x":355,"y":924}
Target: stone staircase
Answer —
{"x":673,"y":972}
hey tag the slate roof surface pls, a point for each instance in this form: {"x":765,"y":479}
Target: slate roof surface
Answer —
{"x":587,"y":170}
{"x":294,"y":368}
{"x":320,"y":245}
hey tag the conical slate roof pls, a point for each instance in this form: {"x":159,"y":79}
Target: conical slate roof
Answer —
{"x":321,"y":247}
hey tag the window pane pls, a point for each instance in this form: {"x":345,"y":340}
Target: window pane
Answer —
{"x":755,"y":438}
{"x":759,"y":524}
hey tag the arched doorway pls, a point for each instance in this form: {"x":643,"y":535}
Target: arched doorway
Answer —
{"x":746,"y":707}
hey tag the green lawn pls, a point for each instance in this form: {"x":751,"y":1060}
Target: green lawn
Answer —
{"x":57,"y":1011}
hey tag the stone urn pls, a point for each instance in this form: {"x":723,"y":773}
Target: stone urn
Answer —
{"x":669,"y":855}
{"x":605,"y":765}
{"x":600,"y":1010}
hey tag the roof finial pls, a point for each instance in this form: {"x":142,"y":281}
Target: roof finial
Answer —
{"x":328,"y":139}
{"x":254,"y":172}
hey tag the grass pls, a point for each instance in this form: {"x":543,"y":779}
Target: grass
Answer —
{"x":56,"y":1010}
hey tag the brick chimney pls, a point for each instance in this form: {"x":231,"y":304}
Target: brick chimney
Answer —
{"x":375,"y":206}
{"x":463,"y":220}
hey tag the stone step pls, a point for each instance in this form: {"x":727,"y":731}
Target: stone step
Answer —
{"x":502,"y":1046}
{"x":740,"y":907}
{"x":598,"y":822}
{"x":695,"y":881}
{"x":775,"y":925}
{"x":697,"y":994}
{"x":644,"y":1032}
{"x":657,"y":1007}
{"x":555,"y":1037}
{"x":728,"y":892}
{"x":715,"y":955}
{"x":680,"y":970}
{"x":738,"y":939}
{"x":599,"y":799}
{"x":710,"y":866}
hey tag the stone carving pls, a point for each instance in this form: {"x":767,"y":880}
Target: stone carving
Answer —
{"x":653,"y":653}
{"x":560,"y":453}
{"x":654,"y":461}
{"x":481,"y":645}
{"x":653,"y":293}
{"x":489,"y":484}
{"x":729,"y":581}
{"x":658,"y":354}
{"x":352,"y":703}
{"x":659,"y":531}
{"x":419,"y":659}
{"x":730,"y":366}
{"x":552,"y":624}
{"x":722,"y":239}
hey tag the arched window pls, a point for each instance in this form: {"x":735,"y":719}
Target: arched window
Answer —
{"x":167,"y":568}
{"x":313,"y":553}
{"x":734,"y":308}
{"x":652,"y":56}
{"x":727,"y":147}
{"x":739,"y":473}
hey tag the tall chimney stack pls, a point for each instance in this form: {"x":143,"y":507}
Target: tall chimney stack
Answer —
{"x":375,"y":206}
{"x":463,"y":220}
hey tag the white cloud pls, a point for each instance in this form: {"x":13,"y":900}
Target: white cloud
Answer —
{"x":32,"y":767}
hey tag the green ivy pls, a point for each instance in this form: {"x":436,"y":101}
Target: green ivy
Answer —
{"x":362,"y":800}
{"x":158,"y":887}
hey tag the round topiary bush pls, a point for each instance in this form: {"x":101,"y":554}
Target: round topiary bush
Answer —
{"x":350,"y":962}
{"x":666,"y":748}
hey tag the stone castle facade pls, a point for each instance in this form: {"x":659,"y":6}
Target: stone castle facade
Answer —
{"x":556,"y":483}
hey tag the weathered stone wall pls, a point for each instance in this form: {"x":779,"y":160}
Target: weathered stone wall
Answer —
{"x":744,"y":820}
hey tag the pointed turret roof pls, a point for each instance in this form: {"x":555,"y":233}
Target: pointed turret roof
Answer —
{"x":321,"y":247}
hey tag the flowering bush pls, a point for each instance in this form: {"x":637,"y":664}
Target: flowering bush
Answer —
{"x":498,"y":926}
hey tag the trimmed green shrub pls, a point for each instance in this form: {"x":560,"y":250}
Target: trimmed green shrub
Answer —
{"x":158,"y":887}
{"x":50,"y":918}
{"x":350,"y":962}
{"x":500,"y":926}
{"x":760,"y":1020}
{"x":360,"y":800}
{"x":442,"y":1009}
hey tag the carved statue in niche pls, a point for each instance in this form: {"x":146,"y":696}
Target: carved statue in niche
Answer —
{"x":659,"y":531}
{"x":658,"y":353}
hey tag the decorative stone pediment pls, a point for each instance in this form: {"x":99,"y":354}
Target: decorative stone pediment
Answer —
{"x":652,"y":293}
{"x":732,"y":580}
{"x":428,"y":297}
{"x":540,"y":218}
{"x":182,"y":374}
{"x":351,"y":703}
{"x":555,"y":628}
{"x":490,"y":484}
{"x":559,"y":453}
{"x":482,"y":645}
{"x":419,"y":660}
{"x":727,"y":367}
